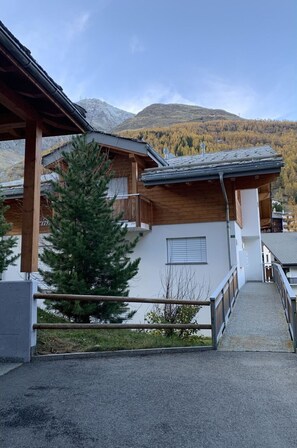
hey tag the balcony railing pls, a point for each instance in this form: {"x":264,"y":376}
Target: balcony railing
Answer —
{"x":137,"y":210}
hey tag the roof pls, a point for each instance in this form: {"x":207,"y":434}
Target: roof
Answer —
{"x":282,"y":245}
{"x":28,"y":92}
{"x":237,"y":162}
{"x":15,"y":188}
{"x":232,"y":155}
{"x":111,"y":141}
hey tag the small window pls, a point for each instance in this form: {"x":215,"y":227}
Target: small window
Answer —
{"x":118,"y":186}
{"x":186,"y":250}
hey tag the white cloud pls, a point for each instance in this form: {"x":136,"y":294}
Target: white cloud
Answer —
{"x":219,"y":94}
{"x":77,"y":26}
{"x":243,"y":99}
{"x":136,"y":45}
{"x":153,"y":94}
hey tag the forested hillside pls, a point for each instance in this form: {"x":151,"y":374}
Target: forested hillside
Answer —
{"x":218,"y":135}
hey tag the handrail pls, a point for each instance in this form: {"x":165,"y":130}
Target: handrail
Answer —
{"x":222,"y":284}
{"x":222,"y":301}
{"x":98,"y":298}
{"x":288,"y":298}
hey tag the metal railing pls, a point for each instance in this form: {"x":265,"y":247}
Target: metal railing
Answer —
{"x":135,"y":208}
{"x":288,"y":298}
{"x":222,"y":301}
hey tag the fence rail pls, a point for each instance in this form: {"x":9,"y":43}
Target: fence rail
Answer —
{"x":288,"y":298}
{"x":91,"y":298}
{"x":222,"y":301}
{"x":75,"y":326}
{"x":95,"y":298}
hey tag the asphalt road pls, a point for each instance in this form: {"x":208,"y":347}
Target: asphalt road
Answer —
{"x":204,"y":399}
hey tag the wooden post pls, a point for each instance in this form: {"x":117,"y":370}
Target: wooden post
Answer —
{"x":134,"y":185}
{"x":31,"y":203}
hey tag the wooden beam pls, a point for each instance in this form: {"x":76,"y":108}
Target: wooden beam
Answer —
{"x":16,"y":104}
{"x":8,"y":69}
{"x":134,"y":178}
{"x":11,"y":126}
{"x":31,"y":94}
{"x":31,"y":202}
{"x":138,"y":159}
{"x":60,"y":125}
{"x":49,"y":96}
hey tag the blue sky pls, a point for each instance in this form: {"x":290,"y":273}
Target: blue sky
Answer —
{"x":238,"y":55}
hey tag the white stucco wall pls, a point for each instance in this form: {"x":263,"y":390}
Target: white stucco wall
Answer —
{"x":152,"y":250}
{"x":238,"y":255}
{"x":251,"y":235}
{"x":13,"y":272}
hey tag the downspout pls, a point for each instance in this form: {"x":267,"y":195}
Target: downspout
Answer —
{"x":227,"y":217}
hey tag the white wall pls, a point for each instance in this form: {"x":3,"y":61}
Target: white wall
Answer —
{"x":238,"y":254}
{"x":13,"y":272}
{"x":153,"y":253}
{"x":251,"y":235}
{"x":250,"y":213}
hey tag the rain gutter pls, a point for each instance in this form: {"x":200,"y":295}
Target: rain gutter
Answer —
{"x":221,"y":175}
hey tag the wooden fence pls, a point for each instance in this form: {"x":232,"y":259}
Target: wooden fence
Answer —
{"x":91,"y":298}
{"x":220,"y":303}
{"x":288,"y":298}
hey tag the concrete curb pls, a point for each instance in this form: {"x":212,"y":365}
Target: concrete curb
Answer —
{"x":120,"y":353}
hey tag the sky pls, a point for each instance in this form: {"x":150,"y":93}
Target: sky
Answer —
{"x":237,"y":55}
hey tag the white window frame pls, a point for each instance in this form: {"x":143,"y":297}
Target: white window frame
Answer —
{"x":186,"y":250}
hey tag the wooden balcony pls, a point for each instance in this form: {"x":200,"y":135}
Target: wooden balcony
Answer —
{"x":137,"y":211}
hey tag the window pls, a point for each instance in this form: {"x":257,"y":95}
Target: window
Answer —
{"x":118,"y":186}
{"x":186,"y":250}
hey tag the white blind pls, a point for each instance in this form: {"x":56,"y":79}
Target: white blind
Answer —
{"x":186,"y":250}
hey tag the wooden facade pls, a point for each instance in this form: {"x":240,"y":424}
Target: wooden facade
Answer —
{"x":15,"y":215}
{"x":200,"y":201}
{"x":182,"y":203}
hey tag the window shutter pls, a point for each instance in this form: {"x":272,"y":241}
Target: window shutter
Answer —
{"x":186,"y":250}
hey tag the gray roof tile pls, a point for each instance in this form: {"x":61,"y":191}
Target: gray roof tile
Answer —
{"x":282,"y":245}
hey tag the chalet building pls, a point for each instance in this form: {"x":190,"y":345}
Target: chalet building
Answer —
{"x":281,"y":248}
{"x":202,"y":213}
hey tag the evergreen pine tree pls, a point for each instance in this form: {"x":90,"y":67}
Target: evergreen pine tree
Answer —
{"x":7,"y":243}
{"x":88,"y":252}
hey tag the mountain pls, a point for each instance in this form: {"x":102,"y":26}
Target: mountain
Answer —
{"x":162,"y":115}
{"x":220,"y":135}
{"x":101,"y":115}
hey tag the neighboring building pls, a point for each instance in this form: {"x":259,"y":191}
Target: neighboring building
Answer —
{"x":279,"y":222}
{"x":281,"y":248}
{"x":197,"y":213}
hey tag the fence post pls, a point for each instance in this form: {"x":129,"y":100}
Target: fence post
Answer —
{"x":294,"y":324}
{"x":213,"y":323}
{"x":138,"y":205}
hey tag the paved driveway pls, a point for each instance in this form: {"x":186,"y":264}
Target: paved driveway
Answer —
{"x":206,"y":399}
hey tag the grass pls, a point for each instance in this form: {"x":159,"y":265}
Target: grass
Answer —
{"x":68,"y":341}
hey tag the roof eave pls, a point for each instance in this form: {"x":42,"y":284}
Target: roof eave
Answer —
{"x":191,"y":176}
{"x":24,"y":58}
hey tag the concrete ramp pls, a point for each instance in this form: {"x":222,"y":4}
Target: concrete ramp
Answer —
{"x":257,"y":322}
